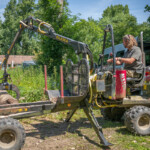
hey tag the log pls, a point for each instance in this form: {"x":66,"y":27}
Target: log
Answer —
{"x":6,"y":98}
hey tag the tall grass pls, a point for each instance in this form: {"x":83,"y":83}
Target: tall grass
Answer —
{"x":31,"y":82}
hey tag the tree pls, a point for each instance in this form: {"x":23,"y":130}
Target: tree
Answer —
{"x":112,"y":11}
{"x":53,"y":52}
{"x":147,"y":9}
{"x":121,"y":20}
{"x":90,"y":33}
{"x":9,"y":25}
{"x":145,"y":27}
{"x":14,"y":12}
{"x":1,"y":36}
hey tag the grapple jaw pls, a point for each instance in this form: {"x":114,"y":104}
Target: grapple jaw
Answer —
{"x":12,"y":87}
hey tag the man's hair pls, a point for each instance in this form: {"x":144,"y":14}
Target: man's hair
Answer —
{"x":130,"y":41}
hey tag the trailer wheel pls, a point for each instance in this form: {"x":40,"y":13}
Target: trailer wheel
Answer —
{"x":12,"y":134}
{"x":137,"y":120}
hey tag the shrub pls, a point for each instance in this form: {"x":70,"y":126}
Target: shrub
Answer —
{"x":31,"y":83}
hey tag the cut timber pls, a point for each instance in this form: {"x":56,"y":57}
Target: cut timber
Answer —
{"x":5,"y":98}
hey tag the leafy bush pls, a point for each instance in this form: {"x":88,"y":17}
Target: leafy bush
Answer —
{"x":31,"y":83}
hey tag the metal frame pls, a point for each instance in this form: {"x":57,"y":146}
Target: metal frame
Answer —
{"x":26,"y":110}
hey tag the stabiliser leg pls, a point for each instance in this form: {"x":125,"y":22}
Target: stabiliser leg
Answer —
{"x":70,"y":114}
{"x":96,"y":126}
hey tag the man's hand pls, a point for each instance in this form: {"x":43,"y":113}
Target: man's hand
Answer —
{"x":109,"y":60}
{"x":118,"y":62}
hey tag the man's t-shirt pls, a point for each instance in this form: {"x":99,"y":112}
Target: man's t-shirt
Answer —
{"x":137,"y":65}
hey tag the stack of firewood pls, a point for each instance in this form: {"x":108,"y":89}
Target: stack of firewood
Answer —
{"x":6,"y":98}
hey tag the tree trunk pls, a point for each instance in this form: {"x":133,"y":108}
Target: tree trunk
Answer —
{"x":5,"y":98}
{"x":61,"y":3}
{"x":61,"y":8}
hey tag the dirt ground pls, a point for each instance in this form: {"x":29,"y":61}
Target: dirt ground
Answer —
{"x":51,"y":132}
{"x":45,"y":133}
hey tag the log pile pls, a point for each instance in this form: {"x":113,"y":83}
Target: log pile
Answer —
{"x":6,"y":98}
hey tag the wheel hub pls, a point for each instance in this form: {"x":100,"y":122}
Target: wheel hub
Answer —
{"x":144,"y":122}
{"x":7,"y":138}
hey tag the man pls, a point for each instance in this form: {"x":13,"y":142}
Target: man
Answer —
{"x":132,"y":58}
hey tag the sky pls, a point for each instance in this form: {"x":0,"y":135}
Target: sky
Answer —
{"x":95,"y":8}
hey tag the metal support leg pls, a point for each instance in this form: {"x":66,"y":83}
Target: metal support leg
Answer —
{"x":96,"y":126}
{"x":70,"y":114}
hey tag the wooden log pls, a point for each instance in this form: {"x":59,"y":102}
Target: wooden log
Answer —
{"x":6,"y":98}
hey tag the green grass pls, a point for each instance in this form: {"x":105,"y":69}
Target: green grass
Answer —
{"x":84,"y":137}
{"x":31,"y":82}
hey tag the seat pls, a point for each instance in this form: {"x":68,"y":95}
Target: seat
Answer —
{"x":137,"y":82}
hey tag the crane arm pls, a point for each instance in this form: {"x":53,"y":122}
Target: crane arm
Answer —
{"x":47,"y":30}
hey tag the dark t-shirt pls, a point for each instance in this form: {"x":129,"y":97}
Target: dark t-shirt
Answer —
{"x":137,"y":65}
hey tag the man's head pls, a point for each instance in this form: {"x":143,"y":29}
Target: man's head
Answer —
{"x":129,"y":41}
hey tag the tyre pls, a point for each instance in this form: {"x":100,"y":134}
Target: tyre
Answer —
{"x":113,"y":114}
{"x":137,"y":120}
{"x":12,"y":134}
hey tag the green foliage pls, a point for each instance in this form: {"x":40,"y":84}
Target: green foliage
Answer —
{"x":1,"y":36}
{"x":115,"y":10}
{"x":123,"y":22}
{"x":147,"y":9}
{"x":90,"y":33}
{"x":145,"y":27}
{"x":53,"y":52}
{"x":14,"y":12}
{"x":31,"y":82}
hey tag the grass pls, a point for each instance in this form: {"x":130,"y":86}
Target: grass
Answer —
{"x":31,"y":83}
{"x":83,"y":136}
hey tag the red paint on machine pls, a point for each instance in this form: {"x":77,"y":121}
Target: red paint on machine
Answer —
{"x":120,"y":84}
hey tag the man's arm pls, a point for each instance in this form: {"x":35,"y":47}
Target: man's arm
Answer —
{"x":120,"y":60}
{"x":117,"y":61}
{"x":127,"y":60}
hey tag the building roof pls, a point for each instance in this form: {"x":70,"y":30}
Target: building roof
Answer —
{"x":17,"y":59}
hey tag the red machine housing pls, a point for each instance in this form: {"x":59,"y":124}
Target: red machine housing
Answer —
{"x":147,"y":76}
{"x":120,"y":84}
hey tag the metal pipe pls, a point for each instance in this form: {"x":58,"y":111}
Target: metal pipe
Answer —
{"x":62,"y":84}
{"x":105,"y":34}
{"x":113,"y":48}
{"x":142,"y":48}
{"x":45,"y":72}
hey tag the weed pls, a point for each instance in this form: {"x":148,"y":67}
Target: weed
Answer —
{"x":31,"y":83}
